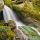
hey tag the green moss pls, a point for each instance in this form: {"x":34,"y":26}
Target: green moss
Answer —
{"x":8,"y":2}
{"x":36,"y":4}
{"x":6,"y":33}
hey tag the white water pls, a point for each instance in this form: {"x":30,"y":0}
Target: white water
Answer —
{"x":10,"y":15}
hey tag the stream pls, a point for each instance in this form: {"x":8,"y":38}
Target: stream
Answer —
{"x":9,"y":14}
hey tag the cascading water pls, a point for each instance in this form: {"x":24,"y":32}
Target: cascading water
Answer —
{"x":8,"y":14}
{"x":11,"y":15}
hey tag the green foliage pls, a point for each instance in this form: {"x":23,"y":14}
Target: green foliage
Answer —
{"x":8,"y":2}
{"x":31,"y":11}
{"x":6,"y":33}
{"x":36,"y":4}
{"x":16,"y":8}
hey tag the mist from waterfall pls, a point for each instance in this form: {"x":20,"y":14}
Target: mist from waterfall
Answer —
{"x":9,"y":14}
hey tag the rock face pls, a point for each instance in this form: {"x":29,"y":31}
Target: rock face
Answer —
{"x":1,"y":5}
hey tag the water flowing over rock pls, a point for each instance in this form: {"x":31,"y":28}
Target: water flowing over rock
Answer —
{"x":11,"y":15}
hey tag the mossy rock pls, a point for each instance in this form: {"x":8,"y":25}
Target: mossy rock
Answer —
{"x":6,"y":33}
{"x":28,"y":12}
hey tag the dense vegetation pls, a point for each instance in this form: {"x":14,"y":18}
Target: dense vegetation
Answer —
{"x":28,"y":12}
{"x":6,"y":33}
{"x":29,"y":9}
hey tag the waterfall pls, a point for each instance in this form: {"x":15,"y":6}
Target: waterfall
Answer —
{"x":9,"y":14}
